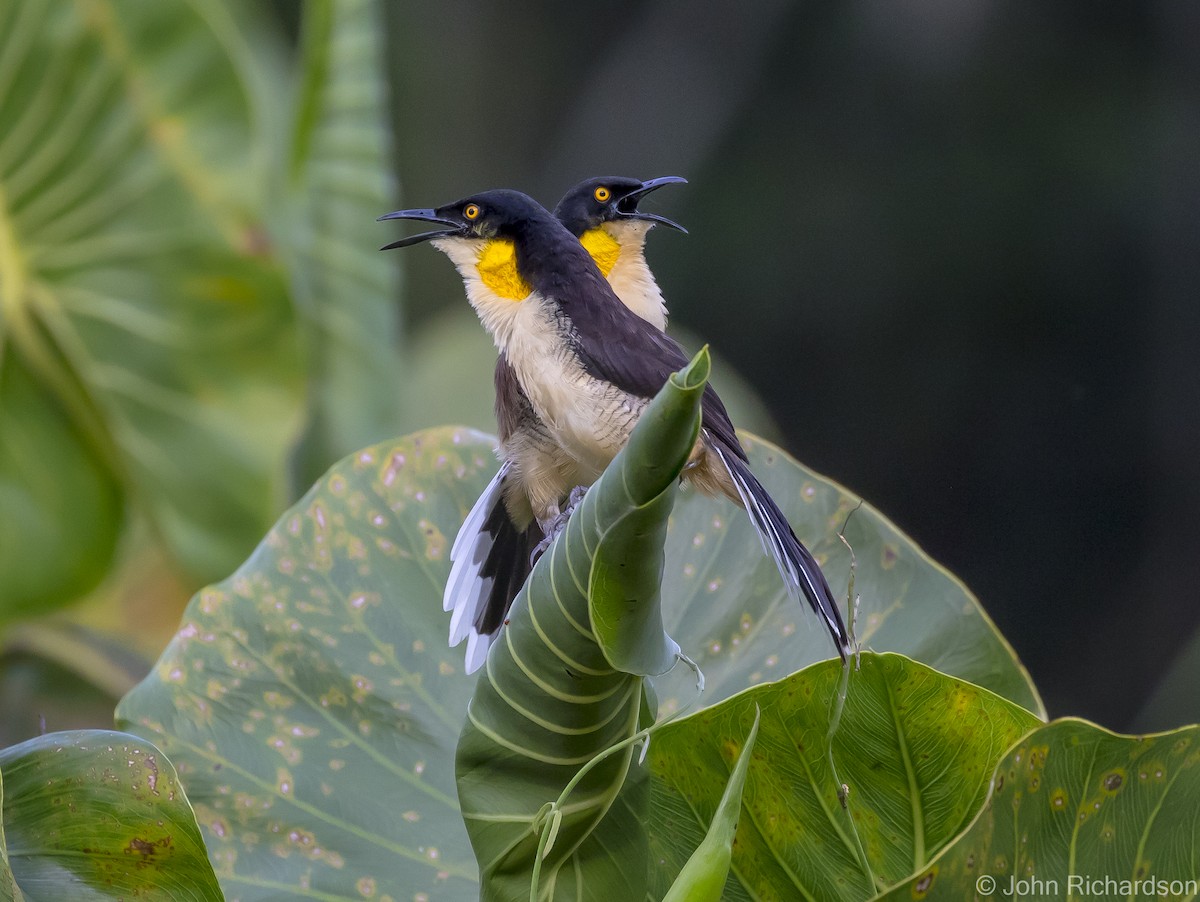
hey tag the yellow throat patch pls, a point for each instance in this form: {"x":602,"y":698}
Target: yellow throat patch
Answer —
{"x":603,"y":247}
{"x":498,"y":270}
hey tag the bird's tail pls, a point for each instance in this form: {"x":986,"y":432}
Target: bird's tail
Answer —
{"x":799,"y":569}
{"x":489,"y":564}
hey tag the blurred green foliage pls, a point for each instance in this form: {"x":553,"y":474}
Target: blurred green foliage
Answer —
{"x":313,"y":709}
{"x":193,"y":319}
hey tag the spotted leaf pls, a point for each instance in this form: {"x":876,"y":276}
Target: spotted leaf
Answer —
{"x":310,"y":701}
{"x":724,"y":602}
{"x":94,"y":815}
{"x":910,"y":758}
{"x":1075,"y":811}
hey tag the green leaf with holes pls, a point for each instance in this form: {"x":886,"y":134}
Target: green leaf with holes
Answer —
{"x":98,"y":815}
{"x":140,"y":301}
{"x":563,"y":686}
{"x":724,"y":603}
{"x":914,"y":748}
{"x":313,"y":708}
{"x":1075,"y":811}
{"x":309,"y":700}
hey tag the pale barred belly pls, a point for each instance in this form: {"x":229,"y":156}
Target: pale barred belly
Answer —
{"x":592,"y":420}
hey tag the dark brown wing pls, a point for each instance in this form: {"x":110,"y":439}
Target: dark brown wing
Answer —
{"x":512,"y":404}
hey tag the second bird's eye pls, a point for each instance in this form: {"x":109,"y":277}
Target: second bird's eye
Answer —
{"x":471,"y":211}
{"x":602,"y":194}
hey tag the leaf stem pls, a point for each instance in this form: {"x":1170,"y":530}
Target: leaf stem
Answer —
{"x":839,"y":703}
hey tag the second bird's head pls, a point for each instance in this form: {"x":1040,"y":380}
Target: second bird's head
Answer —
{"x":612,"y":200}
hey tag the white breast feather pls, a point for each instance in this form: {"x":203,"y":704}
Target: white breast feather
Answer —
{"x":630,"y":277}
{"x":527,"y":334}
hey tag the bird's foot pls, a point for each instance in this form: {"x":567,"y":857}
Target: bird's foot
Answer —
{"x":575,"y":497}
{"x":540,"y":548}
{"x":556,"y":523}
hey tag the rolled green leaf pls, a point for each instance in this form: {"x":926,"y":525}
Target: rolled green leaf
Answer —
{"x":99,"y":815}
{"x":630,"y":549}
{"x":564,"y":682}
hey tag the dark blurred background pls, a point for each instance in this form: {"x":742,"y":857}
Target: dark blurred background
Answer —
{"x":952,"y":243}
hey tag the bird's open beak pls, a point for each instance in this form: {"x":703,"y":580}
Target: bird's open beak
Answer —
{"x":627,"y":206}
{"x":423,"y":216}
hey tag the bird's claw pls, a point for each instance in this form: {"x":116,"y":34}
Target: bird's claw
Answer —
{"x":555,"y":524}
{"x":574,"y":498}
{"x":540,"y":548}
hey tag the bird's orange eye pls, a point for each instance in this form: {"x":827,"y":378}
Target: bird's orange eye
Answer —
{"x":471,"y":211}
{"x":602,"y":194}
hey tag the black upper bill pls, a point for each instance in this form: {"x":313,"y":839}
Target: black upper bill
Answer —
{"x":627,"y":206}
{"x":426,"y":215}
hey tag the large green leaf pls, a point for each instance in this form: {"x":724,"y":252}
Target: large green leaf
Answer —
{"x":1077,"y":812}
{"x":136,"y":289}
{"x":724,"y":603}
{"x":98,"y":815}
{"x":563,"y":684}
{"x":914,"y":748}
{"x":339,"y":181}
{"x":328,"y":648}
{"x":310,"y":701}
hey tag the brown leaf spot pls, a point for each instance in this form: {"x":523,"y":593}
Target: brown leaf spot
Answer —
{"x":145,"y":848}
{"x":921,"y":888}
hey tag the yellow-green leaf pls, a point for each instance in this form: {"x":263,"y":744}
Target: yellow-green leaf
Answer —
{"x":99,"y":816}
{"x":1077,"y":812}
{"x":911,"y":757}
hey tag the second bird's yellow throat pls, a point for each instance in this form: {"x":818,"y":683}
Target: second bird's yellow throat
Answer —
{"x":603,"y":247}
{"x":497,"y":264}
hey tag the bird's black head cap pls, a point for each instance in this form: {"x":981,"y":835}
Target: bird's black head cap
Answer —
{"x":596,"y":201}
{"x":499,"y":213}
